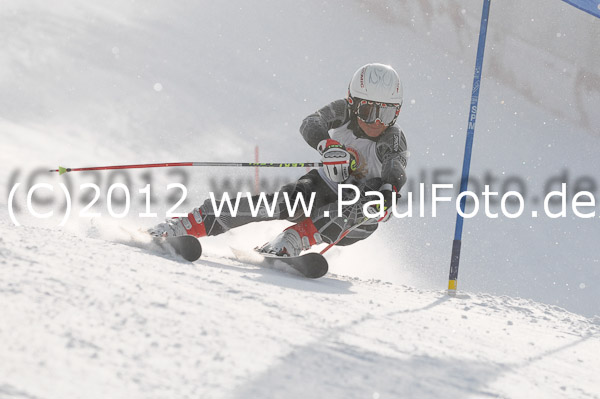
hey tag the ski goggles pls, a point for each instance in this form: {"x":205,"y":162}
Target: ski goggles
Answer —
{"x":370,"y":112}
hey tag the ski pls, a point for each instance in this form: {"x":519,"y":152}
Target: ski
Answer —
{"x":310,"y":265}
{"x":188,"y":247}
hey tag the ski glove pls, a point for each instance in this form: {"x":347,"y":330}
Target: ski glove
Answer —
{"x":338,"y":163}
{"x":388,"y":201}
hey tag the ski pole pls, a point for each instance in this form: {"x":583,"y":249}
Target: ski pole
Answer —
{"x":61,"y":170}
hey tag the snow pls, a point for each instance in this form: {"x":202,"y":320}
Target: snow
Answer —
{"x":85,"y":312}
{"x":83,"y":317}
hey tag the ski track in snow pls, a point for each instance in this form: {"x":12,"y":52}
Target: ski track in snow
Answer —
{"x":82,"y":317}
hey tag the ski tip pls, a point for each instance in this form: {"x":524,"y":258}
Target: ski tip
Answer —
{"x":318,"y":265}
{"x":188,"y":247}
{"x":316,"y":274}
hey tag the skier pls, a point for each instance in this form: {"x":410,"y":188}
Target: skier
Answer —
{"x":359,"y":144}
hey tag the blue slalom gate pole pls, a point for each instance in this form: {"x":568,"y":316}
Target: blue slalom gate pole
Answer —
{"x":456,"y":244}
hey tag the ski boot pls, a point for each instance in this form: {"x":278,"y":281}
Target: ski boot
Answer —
{"x":293,"y":240}
{"x":192,"y":225}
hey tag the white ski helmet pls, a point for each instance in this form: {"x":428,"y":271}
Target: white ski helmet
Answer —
{"x":376,"y":82}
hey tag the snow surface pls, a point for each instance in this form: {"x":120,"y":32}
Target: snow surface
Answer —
{"x":86,"y":313}
{"x":84,"y":317}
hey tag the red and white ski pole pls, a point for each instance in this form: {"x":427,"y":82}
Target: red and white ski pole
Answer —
{"x":61,"y":170}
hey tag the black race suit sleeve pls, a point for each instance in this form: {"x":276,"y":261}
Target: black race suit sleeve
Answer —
{"x":315,"y":127}
{"x":392,"y":151}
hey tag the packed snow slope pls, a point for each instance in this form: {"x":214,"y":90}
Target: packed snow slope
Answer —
{"x":86,"y":84}
{"x":82,"y":313}
{"x":83,"y":317}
